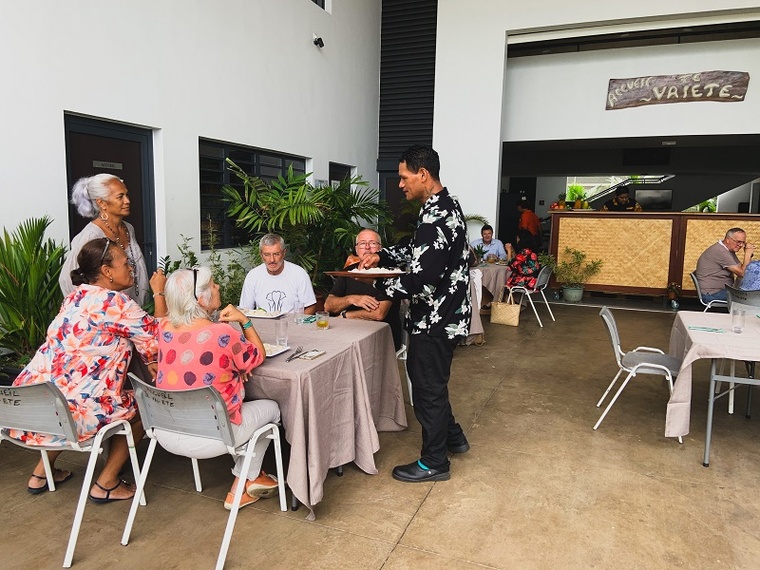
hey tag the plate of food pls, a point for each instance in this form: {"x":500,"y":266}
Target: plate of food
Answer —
{"x":373,"y":273}
{"x":260,"y":313}
{"x":274,"y":350}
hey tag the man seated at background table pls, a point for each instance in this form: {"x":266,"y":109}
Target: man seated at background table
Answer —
{"x":718,"y":264}
{"x":358,"y":298}
{"x":276,"y":285}
{"x":489,"y":244}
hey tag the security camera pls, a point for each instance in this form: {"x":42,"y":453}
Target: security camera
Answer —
{"x":319,"y":43}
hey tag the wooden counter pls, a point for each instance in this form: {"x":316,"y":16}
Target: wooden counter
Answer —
{"x":644,"y":251}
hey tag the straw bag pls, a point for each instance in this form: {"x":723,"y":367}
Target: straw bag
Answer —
{"x":505,"y":313}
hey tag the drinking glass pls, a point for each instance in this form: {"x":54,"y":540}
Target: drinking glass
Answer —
{"x":737,"y":320}
{"x":323,"y":320}
{"x":281,"y":331}
{"x":298,"y":314}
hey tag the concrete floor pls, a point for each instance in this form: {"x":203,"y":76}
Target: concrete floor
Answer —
{"x":539,"y":488}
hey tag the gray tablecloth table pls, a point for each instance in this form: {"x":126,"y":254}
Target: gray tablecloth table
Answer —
{"x":332,"y":407}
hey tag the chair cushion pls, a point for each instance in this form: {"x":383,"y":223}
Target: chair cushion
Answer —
{"x":632,"y":359}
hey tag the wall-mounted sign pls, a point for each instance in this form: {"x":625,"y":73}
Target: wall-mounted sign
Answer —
{"x":725,"y":86}
{"x":107,"y":164}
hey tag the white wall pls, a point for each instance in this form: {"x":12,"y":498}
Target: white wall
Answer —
{"x":242,"y":71}
{"x":470,"y":80}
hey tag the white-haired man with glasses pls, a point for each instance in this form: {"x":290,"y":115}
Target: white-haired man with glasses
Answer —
{"x":719,"y":265}
{"x":358,"y":298}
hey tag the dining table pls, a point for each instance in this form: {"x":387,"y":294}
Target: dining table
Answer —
{"x":331,"y":407}
{"x":697,"y":335}
{"x":494,"y":277}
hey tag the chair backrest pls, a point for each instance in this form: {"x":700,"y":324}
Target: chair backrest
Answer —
{"x":693,"y":276}
{"x":739,"y":296}
{"x":543,"y":277}
{"x":198,"y":411}
{"x":609,"y":320}
{"x":39,"y":408}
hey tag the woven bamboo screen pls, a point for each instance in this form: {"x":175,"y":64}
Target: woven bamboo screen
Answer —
{"x":702,"y":233}
{"x":635,"y":251}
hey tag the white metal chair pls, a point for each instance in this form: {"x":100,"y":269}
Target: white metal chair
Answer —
{"x":541,"y":282}
{"x":199,"y":412}
{"x":641,"y":360}
{"x":750,"y":302}
{"x":708,"y":304}
{"x":42,"y":408}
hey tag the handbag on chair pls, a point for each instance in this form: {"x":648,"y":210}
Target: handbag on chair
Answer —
{"x":505,"y":312}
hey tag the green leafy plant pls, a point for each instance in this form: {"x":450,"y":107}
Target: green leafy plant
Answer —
{"x":318,"y":223}
{"x":573,"y":270}
{"x":576,"y":192}
{"x":30,"y":296}
{"x":480,"y":251}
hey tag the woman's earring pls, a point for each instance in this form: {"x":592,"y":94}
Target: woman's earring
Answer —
{"x":103,"y":215}
{"x":110,"y":278}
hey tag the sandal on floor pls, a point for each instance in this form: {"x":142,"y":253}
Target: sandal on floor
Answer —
{"x":107,"y":498}
{"x":38,"y":490}
{"x":245,"y":500}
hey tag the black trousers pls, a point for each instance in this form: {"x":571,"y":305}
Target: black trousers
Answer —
{"x":429,"y":366}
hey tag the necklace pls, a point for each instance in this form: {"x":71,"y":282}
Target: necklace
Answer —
{"x":127,"y":250}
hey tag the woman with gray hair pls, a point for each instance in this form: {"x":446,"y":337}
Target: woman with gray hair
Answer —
{"x":195,"y":351}
{"x":104,"y":199}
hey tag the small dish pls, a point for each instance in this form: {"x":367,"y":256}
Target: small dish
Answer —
{"x":274,"y":350}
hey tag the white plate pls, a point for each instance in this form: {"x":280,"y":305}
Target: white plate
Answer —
{"x":274,"y":350}
{"x":257,"y":314}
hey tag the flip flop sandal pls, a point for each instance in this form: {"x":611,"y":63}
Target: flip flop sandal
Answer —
{"x":107,"y":498}
{"x":39,"y":490}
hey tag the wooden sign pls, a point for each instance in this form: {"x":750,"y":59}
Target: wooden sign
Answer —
{"x":723,"y":86}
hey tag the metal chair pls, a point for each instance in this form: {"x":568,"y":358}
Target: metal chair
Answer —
{"x":708,"y":304}
{"x":42,"y":408}
{"x":641,"y":360}
{"x":541,"y":282}
{"x":200,"y":412}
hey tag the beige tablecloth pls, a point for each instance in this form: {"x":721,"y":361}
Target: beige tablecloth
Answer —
{"x":332,"y":407}
{"x":692,"y":345}
{"x":494,"y":278}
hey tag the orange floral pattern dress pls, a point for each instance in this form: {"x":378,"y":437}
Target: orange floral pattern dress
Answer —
{"x":87,"y":353}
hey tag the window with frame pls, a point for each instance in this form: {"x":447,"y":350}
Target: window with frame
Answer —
{"x":214,"y":174}
{"x":320,"y":3}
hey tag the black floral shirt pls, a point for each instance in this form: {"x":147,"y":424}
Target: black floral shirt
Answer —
{"x":438,"y":282}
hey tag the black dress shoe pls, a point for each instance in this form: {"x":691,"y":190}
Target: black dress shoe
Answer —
{"x":459,"y":447}
{"x":413,"y":473}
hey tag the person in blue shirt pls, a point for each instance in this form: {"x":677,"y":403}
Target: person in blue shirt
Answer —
{"x":490,"y":244}
{"x":751,"y":279}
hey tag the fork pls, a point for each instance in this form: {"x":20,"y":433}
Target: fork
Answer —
{"x":295,"y":355}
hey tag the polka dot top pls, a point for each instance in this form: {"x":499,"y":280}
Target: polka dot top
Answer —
{"x":217,"y":355}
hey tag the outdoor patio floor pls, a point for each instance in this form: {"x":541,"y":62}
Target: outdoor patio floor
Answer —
{"x":539,"y":488}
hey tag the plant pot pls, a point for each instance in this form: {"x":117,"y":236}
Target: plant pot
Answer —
{"x":572,"y":294}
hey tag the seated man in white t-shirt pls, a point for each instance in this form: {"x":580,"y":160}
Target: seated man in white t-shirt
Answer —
{"x":277,"y":285}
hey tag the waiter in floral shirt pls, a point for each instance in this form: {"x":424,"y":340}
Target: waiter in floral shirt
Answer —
{"x":438,"y":285}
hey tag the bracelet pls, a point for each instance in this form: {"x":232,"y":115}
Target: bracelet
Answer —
{"x":248,"y":324}
{"x":343,"y":314}
{"x":160,"y":294}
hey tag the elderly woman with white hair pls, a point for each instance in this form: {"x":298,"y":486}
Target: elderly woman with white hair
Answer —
{"x":195,"y":351}
{"x":104,"y":199}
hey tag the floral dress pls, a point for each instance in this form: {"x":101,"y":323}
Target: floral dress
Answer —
{"x":524,"y":269}
{"x":86,"y":354}
{"x":217,"y":355}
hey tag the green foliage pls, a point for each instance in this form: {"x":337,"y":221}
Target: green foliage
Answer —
{"x":480,"y":251}
{"x":574,"y":270}
{"x":229,"y":274}
{"x":710,"y":205}
{"x":576,"y":192}
{"x":30,"y":296}
{"x":318,"y":224}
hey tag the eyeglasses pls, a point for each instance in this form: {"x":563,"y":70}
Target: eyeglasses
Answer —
{"x":736,"y":241}
{"x":105,"y":250}
{"x":195,"y":282}
{"x":368,"y":244}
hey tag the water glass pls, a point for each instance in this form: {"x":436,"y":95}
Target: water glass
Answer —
{"x":281,"y":331}
{"x":323,"y":320}
{"x":737,"y":320}
{"x":298,"y":314}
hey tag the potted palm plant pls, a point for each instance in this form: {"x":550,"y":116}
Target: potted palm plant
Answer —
{"x":573,"y":271}
{"x":29,"y":293}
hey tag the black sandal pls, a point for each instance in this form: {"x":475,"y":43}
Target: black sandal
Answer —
{"x":107,"y":498}
{"x":40,"y":490}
